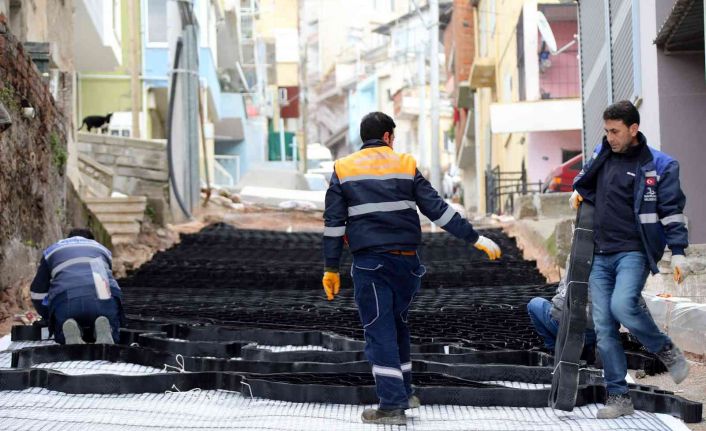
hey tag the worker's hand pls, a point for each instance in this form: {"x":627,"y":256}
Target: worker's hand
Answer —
{"x":680,"y":267}
{"x":332,"y":284}
{"x":489,"y":247}
{"x":575,"y":200}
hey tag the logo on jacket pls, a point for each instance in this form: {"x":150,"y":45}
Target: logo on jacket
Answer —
{"x":650,"y":195}
{"x":651,"y":181}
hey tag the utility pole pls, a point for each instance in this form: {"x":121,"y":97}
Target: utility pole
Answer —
{"x":434,"y":77}
{"x":135,"y":87}
{"x":302,"y":140}
{"x":421,"y":120}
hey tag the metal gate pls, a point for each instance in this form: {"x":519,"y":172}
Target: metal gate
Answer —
{"x":503,"y":188}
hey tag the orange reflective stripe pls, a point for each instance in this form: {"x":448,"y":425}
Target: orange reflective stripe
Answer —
{"x":377,"y":161}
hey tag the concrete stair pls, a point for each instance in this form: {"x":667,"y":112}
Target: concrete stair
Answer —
{"x":121,"y":217}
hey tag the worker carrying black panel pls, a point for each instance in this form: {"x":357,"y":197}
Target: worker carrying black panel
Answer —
{"x":638,"y":211}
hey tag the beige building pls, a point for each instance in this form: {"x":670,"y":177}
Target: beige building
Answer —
{"x":526,"y":99}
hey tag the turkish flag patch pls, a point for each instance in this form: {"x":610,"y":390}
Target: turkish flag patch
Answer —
{"x":651,"y":181}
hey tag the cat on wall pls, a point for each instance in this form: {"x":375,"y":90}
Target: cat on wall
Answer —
{"x":96,"y":122}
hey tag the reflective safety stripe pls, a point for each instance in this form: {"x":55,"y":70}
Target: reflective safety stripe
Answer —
{"x":649,"y":218}
{"x":446,"y":217}
{"x":676,"y":218}
{"x":65,"y":246}
{"x":70,"y":262}
{"x":38,"y":296}
{"x":387,"y":372}
{"x":395,"y":176}
{"x":381,"y":206}
{"x":406,"y":367}
{"x":334,"y":231}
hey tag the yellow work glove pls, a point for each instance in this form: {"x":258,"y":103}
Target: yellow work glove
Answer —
{"x":332,"y":284}
{"x":680,"y":267}
{"x":489,"y":247}
{"x":575,"y":200}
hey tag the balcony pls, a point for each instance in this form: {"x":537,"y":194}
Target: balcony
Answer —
{"x":97,"y":35}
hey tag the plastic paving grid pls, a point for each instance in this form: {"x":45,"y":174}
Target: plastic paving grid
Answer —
{"x":464,"y":285}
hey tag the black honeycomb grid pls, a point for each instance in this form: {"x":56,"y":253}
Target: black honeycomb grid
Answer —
{"x":227,"y":276}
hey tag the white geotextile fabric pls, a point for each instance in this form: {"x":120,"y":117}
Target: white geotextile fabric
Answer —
{"x":220,"y":410}
{"x":290,"y":348}
{"x":40,"y":409}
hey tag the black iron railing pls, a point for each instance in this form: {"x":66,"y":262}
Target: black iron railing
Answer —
{"x":503,"y":188}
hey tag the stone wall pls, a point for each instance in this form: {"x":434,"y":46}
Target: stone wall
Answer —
{"x":33,"y":158}
{"x":96,"y":180}
{"x":139,"y":167}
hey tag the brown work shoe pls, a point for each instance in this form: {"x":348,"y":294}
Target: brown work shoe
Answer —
{"x":384,"y":417}
{"x":616,"y":406}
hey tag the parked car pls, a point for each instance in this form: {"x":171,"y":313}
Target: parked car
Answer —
{"x":561,"y":178}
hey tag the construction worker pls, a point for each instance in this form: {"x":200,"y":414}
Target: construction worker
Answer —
{"x":545,"y":316}
{"x":74,"y":288}
{"x":372,"y":200}
{"x":639,"y":209}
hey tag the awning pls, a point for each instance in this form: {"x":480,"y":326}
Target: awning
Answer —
{"x":684,"y":28}
{"x":537,"y":116}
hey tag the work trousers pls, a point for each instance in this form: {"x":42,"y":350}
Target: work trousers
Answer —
{"x":84,"y":310}
{"x":616,"y":284}
{"x":385,"y":286}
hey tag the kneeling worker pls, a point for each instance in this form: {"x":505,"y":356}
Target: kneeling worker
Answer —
{"x":74,"y":287}
{"x":545,"y":316}
{"x":373,"y":199}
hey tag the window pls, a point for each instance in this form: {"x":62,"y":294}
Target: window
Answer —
{"x":567,"y":155}
{"x":157,"y":22}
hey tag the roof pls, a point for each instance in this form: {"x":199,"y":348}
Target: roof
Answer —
{"x":684,"y":28}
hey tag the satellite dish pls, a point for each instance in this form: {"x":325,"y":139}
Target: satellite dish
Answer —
{"x":546,"y":31}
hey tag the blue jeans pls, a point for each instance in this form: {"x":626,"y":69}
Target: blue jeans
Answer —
{"x":385,"y":285}
{"x":616,"y":284}
{"x":84,"y":310}
{"x":540,"y":313}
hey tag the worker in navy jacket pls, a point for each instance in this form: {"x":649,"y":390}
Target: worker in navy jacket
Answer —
{"x":74,"y":288}
{"x":372,"y":200}
{"x":639,"y":209}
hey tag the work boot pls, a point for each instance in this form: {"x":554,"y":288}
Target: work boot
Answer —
{"x":104,"y":335}
{"x":414,"y":402}
{"x":72,"y":333}
{"x":616,"y":406}
{"x":673,"y":358}
{"x":384,"y":417}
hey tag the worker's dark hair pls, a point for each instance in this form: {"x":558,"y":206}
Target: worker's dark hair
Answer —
{"x":375,"y":124}
{"x":81,"y":231}
{"x":624,"y":111}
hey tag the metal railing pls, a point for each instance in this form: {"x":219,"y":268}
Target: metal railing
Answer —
{"x":503,"y":188}
{"x":226,"y":170}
